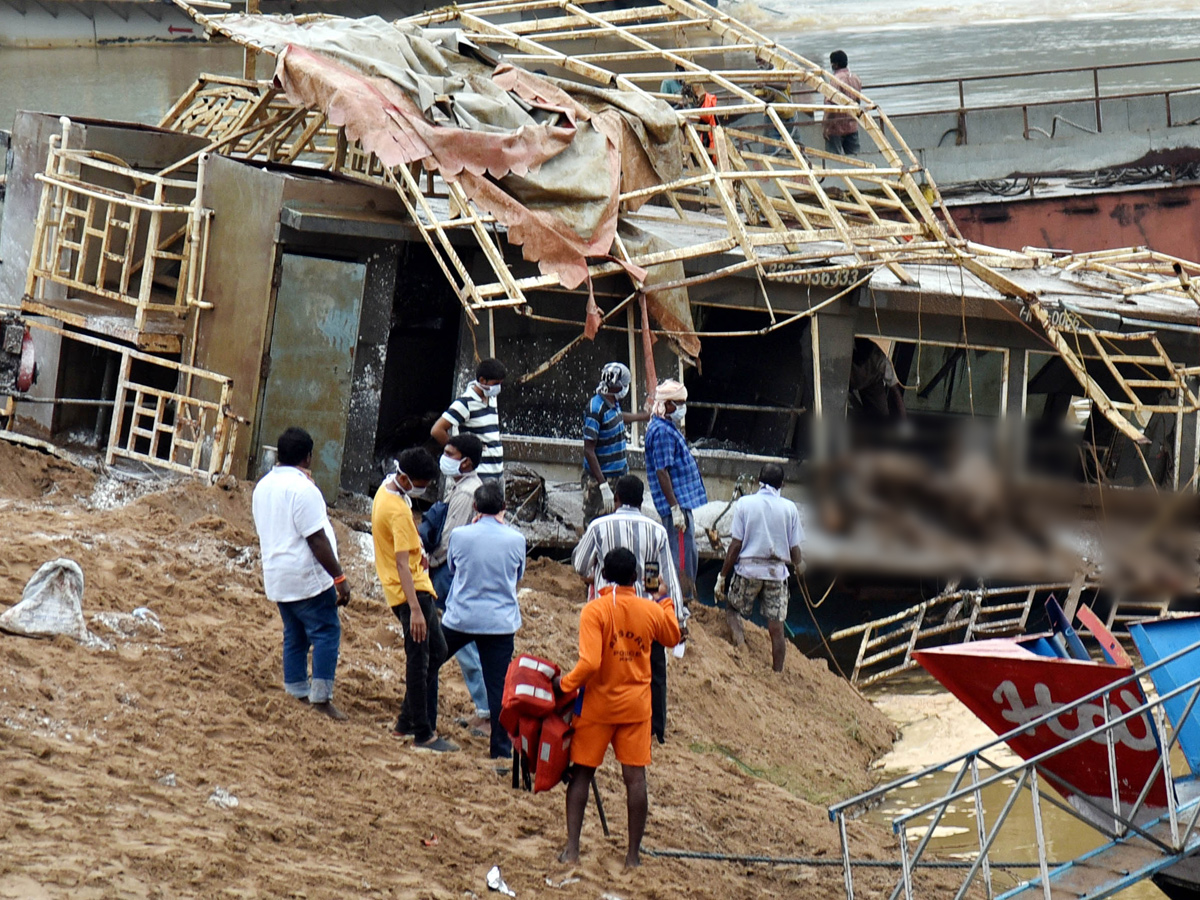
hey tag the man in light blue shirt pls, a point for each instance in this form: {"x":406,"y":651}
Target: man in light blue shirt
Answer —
{"x":486,"y":560}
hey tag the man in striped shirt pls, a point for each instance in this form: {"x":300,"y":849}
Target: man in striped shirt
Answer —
{"x":628,"y":528}
{"x":604,"y":440}
{"x":475,"y":413}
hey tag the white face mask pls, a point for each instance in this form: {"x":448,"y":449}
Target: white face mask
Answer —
{"x":622,"y":393}
{"x":400,"y":488}
{"x":489,"y":390}
{"x":679,"y":414}
{"x":450,"y":466}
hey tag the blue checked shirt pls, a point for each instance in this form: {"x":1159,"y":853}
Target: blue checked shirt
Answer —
{"x":667,"y":449}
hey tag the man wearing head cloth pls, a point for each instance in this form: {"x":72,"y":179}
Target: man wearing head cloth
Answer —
{"x":674,"y":478}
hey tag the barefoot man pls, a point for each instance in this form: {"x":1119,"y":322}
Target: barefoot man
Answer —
{"x":616,"y":630}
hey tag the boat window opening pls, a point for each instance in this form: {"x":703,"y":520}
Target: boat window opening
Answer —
{"x":942,"y":379}
{"x":731,"y":405}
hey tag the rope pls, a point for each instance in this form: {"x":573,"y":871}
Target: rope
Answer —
{"x":830,"y":862}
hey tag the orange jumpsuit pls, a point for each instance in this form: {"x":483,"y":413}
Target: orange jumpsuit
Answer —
{"x":616,"y":630}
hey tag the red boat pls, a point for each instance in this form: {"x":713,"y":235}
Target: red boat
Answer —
{"x":1009,"y":682}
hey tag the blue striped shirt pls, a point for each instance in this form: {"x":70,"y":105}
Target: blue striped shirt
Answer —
{"x":604,"y":424}
{"x":666,"y":448}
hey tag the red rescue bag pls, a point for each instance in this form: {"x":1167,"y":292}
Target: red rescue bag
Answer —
{"x":554,"y":752}
{"x":528,"y":691}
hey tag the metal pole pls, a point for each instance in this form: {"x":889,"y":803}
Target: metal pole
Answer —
{"x":1112,"y":766}
{"x":905,"y":868}
{"x":1037,"y":830}
{"x":847,"y":872}
{"x":986,"y":867}
{"x":1160,"y":720}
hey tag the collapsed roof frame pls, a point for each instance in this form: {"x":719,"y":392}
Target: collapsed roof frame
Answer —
{"x":748,"y":192}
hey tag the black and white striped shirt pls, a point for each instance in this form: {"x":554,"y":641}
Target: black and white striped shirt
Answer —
{"x":470,"y":415}
{"x":643,"y":537}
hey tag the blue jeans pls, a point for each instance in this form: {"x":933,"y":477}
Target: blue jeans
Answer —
{"x":468,"y":656}
{"x":687,"y":574}
{"x":311,"y":623}
{"x":496,"y":652}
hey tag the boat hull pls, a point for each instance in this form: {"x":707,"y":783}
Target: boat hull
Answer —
{"x":1007,"y":685}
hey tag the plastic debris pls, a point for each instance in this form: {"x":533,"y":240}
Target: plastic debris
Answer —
{"x":550,"y":882}
{"x":168,"y":780}
{"x":222,"y":798}
{"x":495,"y":882}
{"x":430,"y":841}
{"x":52,"y":603}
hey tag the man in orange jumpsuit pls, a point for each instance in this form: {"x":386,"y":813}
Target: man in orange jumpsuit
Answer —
{"x":616,"y":630}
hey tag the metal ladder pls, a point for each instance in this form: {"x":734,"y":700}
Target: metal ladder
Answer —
{"x":1133,"y":842}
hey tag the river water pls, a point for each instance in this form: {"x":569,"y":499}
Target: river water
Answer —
{"x":888,"y":41}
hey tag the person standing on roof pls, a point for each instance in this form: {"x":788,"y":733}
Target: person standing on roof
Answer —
{"x":301,"y":572}
{"x":604,"y":424}
{"x":475,"y":413}
{"x":766,"y":536}
{"x":404,"y":573}
{"x":616,"y":630}
{"x":674,"y":477}
{"x":461,"y":456}
{"x":840,"y":128}
{"x":486,"y":559}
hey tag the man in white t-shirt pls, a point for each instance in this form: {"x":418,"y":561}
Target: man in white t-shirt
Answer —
{"x":766,"y":536}
{"x":301,"y":573}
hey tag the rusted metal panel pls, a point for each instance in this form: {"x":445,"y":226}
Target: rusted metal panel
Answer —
{"x":313,"y":341}
{"x":233,"y":339}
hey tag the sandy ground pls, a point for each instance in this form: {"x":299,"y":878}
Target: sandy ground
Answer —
{"x":114,"y":763}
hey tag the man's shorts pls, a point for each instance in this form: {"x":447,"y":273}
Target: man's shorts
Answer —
{"x":744,"y":591}
{"x":630,"y":743}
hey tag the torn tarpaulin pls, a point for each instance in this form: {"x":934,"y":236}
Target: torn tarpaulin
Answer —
{"x":549,"y":167}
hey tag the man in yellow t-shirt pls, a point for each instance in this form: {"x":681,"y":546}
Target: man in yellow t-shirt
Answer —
{"x":404,"y":573}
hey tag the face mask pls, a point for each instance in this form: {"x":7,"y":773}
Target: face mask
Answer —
{"x":679,"y":414}
{"x":400,"y":489}
{"x":622,"y":393}
{"x":450,"y":466}
{"x":489,"y":390}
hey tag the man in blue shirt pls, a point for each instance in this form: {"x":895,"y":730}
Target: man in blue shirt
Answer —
{"x":674,"y":477}
{"x":486,"y":561}
{"x":604,"y":440}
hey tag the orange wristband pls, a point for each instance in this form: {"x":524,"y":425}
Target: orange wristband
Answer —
{"x":341,"y":578}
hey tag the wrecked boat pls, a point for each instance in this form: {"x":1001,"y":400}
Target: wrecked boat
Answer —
{"x":339,"y":245}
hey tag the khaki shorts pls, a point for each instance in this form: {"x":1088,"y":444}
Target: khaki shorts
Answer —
{"x":744,"y":591}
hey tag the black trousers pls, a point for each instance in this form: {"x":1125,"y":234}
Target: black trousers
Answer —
{"x":495,"y":653}
{"x":418,"y":711}
{"x":658,"y":691}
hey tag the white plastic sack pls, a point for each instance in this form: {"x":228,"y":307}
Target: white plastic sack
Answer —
{"x":52,"y":603}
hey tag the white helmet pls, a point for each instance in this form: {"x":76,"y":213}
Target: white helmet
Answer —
{"x":614,"y":379}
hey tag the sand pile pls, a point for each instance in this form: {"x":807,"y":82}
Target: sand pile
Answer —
{"x":175,"y":766}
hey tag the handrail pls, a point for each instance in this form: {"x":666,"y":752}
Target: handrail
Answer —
{"x":997,"y":76}
{"x":1033,"y":761}
{"x":865,"y":798}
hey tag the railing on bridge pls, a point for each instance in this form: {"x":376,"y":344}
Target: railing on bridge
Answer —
{"x":1074,"y":85}
{"x":1135,"y":841}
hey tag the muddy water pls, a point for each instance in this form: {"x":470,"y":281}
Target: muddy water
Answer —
{"x":935,"y":726}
